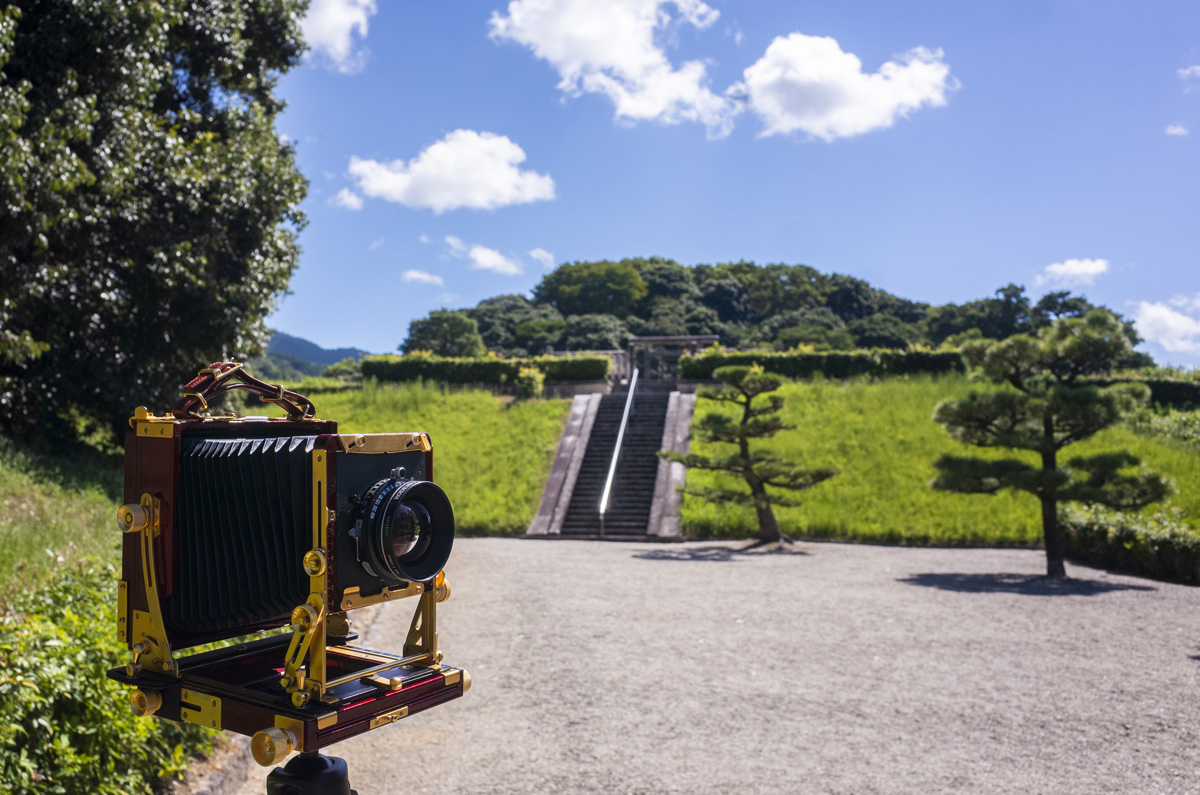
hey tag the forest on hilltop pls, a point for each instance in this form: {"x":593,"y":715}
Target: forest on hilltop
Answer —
{"x":599,"y":305}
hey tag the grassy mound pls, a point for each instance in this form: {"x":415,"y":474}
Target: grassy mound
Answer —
{"x":491,"y":456}
{"x":880,"y":438}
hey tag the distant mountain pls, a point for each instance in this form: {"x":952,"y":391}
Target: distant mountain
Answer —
{"x":306,"y":351}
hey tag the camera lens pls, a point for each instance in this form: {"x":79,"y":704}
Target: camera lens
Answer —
{"x":407,"y":530}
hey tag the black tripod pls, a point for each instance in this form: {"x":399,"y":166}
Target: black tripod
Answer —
{"x":311,"y":774}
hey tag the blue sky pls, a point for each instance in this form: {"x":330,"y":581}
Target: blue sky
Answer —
{"x":937,"y":149}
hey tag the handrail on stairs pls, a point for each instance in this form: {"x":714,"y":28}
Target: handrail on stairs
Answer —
{"x":612,"y":467}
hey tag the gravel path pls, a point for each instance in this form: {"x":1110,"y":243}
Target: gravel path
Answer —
{"x":605,"y":667}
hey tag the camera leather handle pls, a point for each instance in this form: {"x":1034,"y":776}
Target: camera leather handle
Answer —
{"x":221,"y":377}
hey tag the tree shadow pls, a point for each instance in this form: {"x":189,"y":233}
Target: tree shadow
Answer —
{"x":715,"y":554}
{"x":1026,"y":584}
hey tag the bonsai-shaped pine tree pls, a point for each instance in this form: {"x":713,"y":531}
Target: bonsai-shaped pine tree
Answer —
{"x":1045,"y":406}
{"x":761,"y":470}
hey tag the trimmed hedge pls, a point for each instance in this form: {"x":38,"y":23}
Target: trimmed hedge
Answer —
{"x":1163,"y":391}
{"x":64,"y":726}
{"x":1160,"y":547}
{"x":487,"y":370}
{"x":831,"y":364}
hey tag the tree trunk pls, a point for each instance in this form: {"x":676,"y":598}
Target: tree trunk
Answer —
{"x":1054,"y":549}
{"x":768,"y":527}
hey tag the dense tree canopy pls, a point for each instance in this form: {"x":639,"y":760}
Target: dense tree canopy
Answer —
{"x":444,"y":333}
{"x":776,"y":306}
{"x":150,"y":216}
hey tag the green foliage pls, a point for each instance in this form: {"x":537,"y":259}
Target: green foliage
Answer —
{"x":487,"y":370}
{"x":445,"y":332}
{"x":531,"y":383}
{"x":1166,"y":392}
{"x":64,"y":726}
{"x":150,"y":205}
{"x":594,"y":333}
{"x":761,"y":471}
{"x":1179,"y":426}
{"x":584,"y":288}
{"x":1161,"y":546}
{"x":836,"y":364}
{"x":1044,"y":408}
{"x":878,"y":436}
{"x":512,"y":325}
{"x":347,"y":371}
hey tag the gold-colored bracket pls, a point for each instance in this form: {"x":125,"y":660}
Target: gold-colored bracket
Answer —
{"x":422,"y":637}
{"x":201,"y":709}
{"x":389,"y":717}
{"x":309,"y":622}
{"x":151,"y":650}
{"x":352,"y":597}
{"x":384,"y":442}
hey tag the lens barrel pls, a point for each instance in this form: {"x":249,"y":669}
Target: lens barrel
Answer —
{"x":406,"y":529}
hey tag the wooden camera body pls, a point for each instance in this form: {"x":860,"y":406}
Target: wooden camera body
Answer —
{"x":233,"y":526}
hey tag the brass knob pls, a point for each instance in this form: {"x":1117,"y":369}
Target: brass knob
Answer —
{"x":271,"y":746}
{"x":466,"y":681}
{"x":145,"y":702}
{"x":314,"y":562}
{"x":132,"y":518}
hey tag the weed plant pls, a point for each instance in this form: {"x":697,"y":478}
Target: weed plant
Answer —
{"x":880,"y":437}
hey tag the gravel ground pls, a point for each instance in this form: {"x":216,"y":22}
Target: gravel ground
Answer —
{"x":693,"y":668}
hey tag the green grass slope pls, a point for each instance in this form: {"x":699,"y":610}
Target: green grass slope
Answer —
{"x":882,"y":440}
{"x":490,"y":456}
{"x":53,"y":512}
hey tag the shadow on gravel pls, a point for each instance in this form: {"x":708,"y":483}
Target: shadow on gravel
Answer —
{"x":711,"y":554}
{"x":1027,"y":584}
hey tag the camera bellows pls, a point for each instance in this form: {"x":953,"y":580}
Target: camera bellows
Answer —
{"x":242,"y":526}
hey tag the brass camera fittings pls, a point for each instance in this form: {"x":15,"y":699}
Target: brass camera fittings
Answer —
{"x":314,"y":562}
{"x":145,"y":702}
{"x":271,"y":746}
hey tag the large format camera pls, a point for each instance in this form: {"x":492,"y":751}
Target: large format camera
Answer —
{"x":236,"y":525}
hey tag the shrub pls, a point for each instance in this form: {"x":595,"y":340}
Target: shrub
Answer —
{"x":531,"y":383}
{"x":64,"y":726}
{"x":1164,"y":392}
{"x":1160,"y":546}
{"x":484,"y":370}
{"x":801,"y":364}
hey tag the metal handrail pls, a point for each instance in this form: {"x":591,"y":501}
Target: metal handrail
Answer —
{"x":612,"y":468}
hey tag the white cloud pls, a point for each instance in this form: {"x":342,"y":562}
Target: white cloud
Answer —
{"x":424,"y":238}
{"x":483,"y":258}
{"x":1072,"y":273}
{"x":488,"y":259}
{"x":1173,"y":330}
{"x":333,"y":29}
{"x":475,"y":170}
{"x":448,"y":298}
{"x":422,"y":277}
{"x":543,"y":256}
{"x":375,"y":244}
{"x":1176,"y":129}
{"x":809,"y":84}
{"x":347,"y":199}
{"x":610,"y":48}
{"x":1190,"y":71}
{"x":1188,"y":303}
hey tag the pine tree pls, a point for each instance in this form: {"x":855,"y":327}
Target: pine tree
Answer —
{"x":1045,"y":405}
{"x":761,"y":470}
